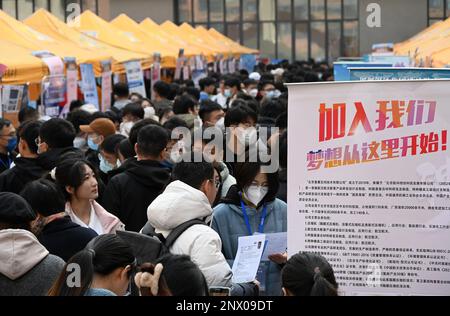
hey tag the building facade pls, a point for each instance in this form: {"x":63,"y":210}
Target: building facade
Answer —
{"x":283,"y":29}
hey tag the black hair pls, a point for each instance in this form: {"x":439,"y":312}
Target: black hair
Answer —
{"x":233,"y":82}
{"x":272,"y":109}
{"x":163,"y":111}
{"x":193,"y":92}
{"x":57,"y":133}
{"x":309,"y":274}
{"x":152,"y":140}
{"x":134,"y":132}
{"x":174,"y":91}
{"x":28,"y":114}
{"x":121,"y":90}
{"x":102,"y":255}
{"x":75,"y":104}
{"x":44,"y":197}
{"x":193,"y":173}
{"x":125,"y":148}
{"x":207,"y":107}
{"x":78,"y":118}
{"x":111,"y":143}
{"x":182,"y":276}
{"x":174,"y":122}
{"x":29,"y":131}
{"x":137,"y":95}
{"x":245,"y":173}
{"x":134,"y":109}
{"x":206,"y":82}
{"x":239,"y":114}
{"x":4,"y":122}
{"x":183,"y":104}
{"x":70,"y":172}
{"x":263,"y":84}
{"x":248,"y":82}
{"x":162,"y":88}
{"x":114,"y":117}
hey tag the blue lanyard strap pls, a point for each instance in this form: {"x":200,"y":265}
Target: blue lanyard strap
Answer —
{"x":247,"y":221}
{"x":7,"y":165}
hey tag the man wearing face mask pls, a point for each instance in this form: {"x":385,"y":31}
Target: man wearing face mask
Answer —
{"x":8,"y":143}
{"x":132,"y":113}
{"x":240,"y":122}
{"x":232,"y":88}
{"x":251,"y":87}
{"x":212,"y":114}
{"x":268,"y":91}
{"x":207,"y":87}
{"x":97,"y":131}
{"x":251,"y":207}
{"x":27,"y":166}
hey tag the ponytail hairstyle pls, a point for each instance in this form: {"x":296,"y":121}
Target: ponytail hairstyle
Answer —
{"x":309,"y":274}
{"x":102,"y":255}
{"x":172,"y":275}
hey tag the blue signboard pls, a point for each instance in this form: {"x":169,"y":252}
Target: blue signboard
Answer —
{"x":364,"y":74}
{"x":395,"y":61}
{"x":341,"y":72}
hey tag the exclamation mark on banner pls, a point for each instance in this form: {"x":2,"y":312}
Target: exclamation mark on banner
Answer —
{"x":444,"y":140}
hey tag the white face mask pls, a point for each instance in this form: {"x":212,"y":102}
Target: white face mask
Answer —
{"x":227,"y":93}
{"x":253,"y":93}
{"x":221,"y":124}
{"x":125,"y":128}
{"x":248,"y":136}
{"x":255,"y":194}
{"x":149,"y":111}
{"x":79,"y":142}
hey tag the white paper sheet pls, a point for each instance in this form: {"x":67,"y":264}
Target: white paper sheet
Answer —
{"x":248,"y":257}
{"x":275,"y":243}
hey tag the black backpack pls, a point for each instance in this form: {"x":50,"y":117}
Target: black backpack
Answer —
{"x":149,"y":246}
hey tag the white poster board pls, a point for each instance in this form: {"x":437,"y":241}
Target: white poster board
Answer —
{"x":369,"y":183}
{"x":135,"y":77}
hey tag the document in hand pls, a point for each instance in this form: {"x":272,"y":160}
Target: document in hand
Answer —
{"x":248,"y":257}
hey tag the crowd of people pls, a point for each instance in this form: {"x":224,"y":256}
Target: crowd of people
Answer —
{"x":78,"y":190}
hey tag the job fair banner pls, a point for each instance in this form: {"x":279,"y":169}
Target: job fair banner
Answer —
{"x":369,"y":183}
{"x":106,"y":85}
{"x":365,"y":74}
{"x":88,"y":84}
{"x":135,"y":77}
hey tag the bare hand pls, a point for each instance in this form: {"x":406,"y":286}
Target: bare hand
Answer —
{"x":279,"y":258}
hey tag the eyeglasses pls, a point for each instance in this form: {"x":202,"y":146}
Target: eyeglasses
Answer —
{"x":216,"y":183}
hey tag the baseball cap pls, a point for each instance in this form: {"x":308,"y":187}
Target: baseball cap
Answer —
{"x":101,"y":126}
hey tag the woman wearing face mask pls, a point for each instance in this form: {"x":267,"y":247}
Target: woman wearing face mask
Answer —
{"x":106,"y":266}
{"x":78,"y":181}
{"x":251,"y":207}
{"x":109,"y":155}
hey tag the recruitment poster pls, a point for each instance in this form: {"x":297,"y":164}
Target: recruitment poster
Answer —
{"x":106,"y":85}
{"x":72,"y":83}
{"x":369,"y":183}
{"x":135,"y":77}
{"x":88,"y":84}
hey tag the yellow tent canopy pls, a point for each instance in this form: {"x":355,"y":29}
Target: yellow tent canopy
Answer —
{"x":149,"y":26}
{"x":171,"y":28}
{"x":238,"y":48}
{"x":27,"y":37}
{"x":215,"y":46}
{"x":151,"y":42}
{"x":410,"y":45}
{"x":22,"y":66}
{"x":46,"y":23}
{"x":97,"y":28}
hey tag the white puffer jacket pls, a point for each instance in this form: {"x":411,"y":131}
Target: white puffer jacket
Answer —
{"x":178,"y":204}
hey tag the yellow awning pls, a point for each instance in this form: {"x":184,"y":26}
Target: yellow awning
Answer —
{"x":214,"y":46}
{"x":152,"y":43}
{"x":46,"y":23}
{"x":149,"y":26}
{"x":27,"y":37}
{"x":97,"y":28}
{"x":22,"y":66}
{"x":171,"y":28}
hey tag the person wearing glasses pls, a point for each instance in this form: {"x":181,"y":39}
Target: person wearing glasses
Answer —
{"x":8,"y":143}
{"x":251,"y":207}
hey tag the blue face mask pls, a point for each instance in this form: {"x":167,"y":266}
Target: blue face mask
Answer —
{"x":92,"y":145}
{"x":12,"y":144}
{"x":105,"y":166}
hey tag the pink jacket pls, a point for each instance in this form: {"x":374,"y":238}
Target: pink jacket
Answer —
{"x":110,"y":222}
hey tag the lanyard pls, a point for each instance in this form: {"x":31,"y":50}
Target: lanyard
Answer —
{"x":4,"y":164}
{"x":247,"y":221}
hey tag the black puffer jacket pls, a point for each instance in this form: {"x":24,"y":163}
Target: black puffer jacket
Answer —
{"x":24,"y":171}
{"x":129,"y":194}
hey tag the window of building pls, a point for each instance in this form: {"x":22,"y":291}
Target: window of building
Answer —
{"x":284,"y":29}
{"x":438,"y":10}
{"x":41,"y":4}
{"x":24,"y":9}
